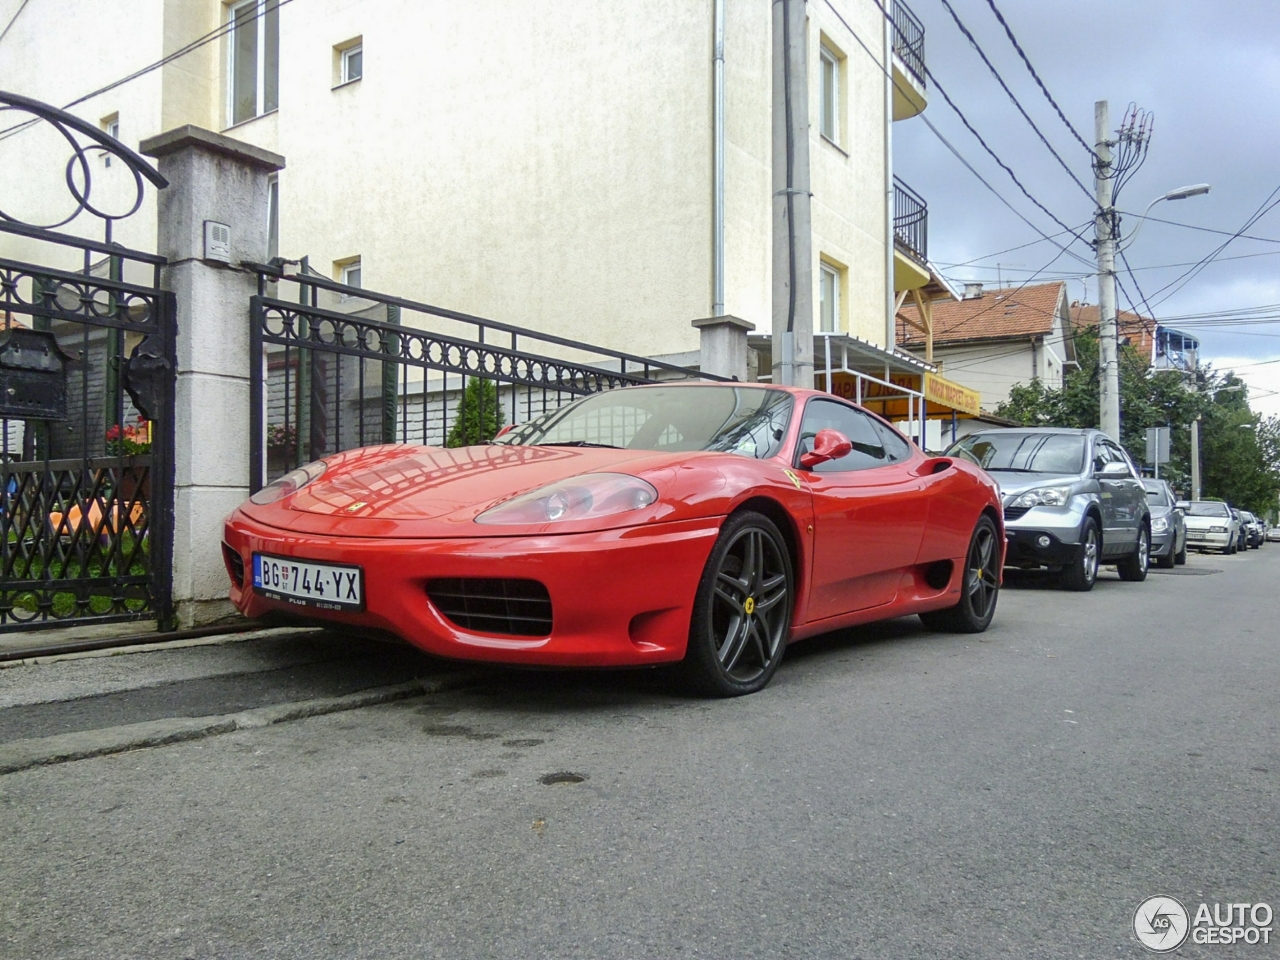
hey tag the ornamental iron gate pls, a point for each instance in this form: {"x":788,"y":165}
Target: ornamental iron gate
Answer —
{"x":342,"y":367}
{"x":87,"y":367}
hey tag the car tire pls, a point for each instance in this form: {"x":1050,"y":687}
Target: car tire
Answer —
{"x":1180,"y":558}
{"x":979,"y":585}
{"x":1082,"y":573}
{"x":1134,"y":567}
{"x":742,"y":611}
{"x":1167,"y":561}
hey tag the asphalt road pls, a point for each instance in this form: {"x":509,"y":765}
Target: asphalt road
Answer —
{"x":895,"y":793}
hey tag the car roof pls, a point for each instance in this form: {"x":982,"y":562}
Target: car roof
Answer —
{"x":1064,"y":431}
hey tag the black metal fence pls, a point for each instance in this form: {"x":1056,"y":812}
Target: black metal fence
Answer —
{"x":910,"y":221}
{"x":339,"y":367}
{"x":86,"y":394}
{"x":908,"y":40}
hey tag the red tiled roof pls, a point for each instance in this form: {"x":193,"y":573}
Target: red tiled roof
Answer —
{"x":1138,"y":330}
{"x":1007,"y":313}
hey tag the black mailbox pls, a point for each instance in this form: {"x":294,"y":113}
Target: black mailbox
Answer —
{"x":33,"y":375}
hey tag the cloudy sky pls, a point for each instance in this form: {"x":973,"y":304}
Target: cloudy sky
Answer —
{"x":1209,"y":72}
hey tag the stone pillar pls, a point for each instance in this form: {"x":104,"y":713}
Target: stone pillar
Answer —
{"x":211,"y":177}
{"x":724,"y":345}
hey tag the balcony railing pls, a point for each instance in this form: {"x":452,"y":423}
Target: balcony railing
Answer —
{"x":908,"y":40}
{"x":910,"y":221}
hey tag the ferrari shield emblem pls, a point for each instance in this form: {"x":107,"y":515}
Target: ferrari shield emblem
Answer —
{"x":794,"y":479}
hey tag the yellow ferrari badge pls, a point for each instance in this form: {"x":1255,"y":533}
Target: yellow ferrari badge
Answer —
{"x":750,"y":606}
{"x":353,"y":507}
{"x":794,"y":479}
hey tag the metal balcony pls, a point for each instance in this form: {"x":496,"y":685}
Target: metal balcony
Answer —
{"x":910,"y":222}
{"x":908,"y":40}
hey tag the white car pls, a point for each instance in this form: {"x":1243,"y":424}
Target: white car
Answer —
{"x":1211,"y":526}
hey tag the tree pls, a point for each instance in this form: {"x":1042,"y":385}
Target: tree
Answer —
{"x":1239,"y":452}
{"x":479,"y":415}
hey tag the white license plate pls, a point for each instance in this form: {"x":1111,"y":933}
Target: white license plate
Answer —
{"x":325,"y":586}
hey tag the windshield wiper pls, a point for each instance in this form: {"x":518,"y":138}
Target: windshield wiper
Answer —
{"x":580,"y":443}
{"x":1010,"y":470}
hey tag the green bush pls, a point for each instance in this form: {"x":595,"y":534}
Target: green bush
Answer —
{"x":479,"y":414}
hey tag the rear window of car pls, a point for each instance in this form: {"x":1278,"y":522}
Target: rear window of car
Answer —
{"x":1208,"y":508}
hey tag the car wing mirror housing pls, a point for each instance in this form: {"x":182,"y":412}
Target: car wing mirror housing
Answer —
{"x":1182,"y":505}
{"x":827,"y":445}
{"x":1113,"y":469}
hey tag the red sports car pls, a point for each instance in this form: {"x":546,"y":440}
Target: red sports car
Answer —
{"x":711,"y":524}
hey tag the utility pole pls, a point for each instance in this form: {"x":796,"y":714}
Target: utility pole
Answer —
{"x":792,"y":225}
{"x":1195,"y":458}
{"x":1105,"y":223}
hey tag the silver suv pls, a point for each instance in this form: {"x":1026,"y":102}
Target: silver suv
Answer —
{"x":1072,"y":500}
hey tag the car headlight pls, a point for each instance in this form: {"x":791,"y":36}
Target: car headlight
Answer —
{"x":290,"y":483}
{"x":578,"y":498}
{"x":1043,"y":497}
{"x":1159,"y":525}
{"x":1217,"y":529}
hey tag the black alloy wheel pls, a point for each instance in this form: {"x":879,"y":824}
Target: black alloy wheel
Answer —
{"x":742,"y":611}
{"x":979,"y":587}
{"x":1081,"y":574}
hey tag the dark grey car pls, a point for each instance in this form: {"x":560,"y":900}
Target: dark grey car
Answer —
{"x":1168,"y":525}
{"x":1072,"y":500}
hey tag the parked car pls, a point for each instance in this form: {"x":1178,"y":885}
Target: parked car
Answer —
{"x":1252,"y":530}
{"x":1168,"y":526}
{"x":1072,"y":500}
{"x":710,"y":524}
{"x":1273,"y":534}
{"x":1242,"y":540}
{"x":1210,"y":526}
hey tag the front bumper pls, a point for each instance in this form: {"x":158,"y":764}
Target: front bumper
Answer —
{"x":1205,"y":540}
{"x":618,"y":598}
{"x":1162,"y":543}
{"x":1027,"y":548}
{"x":1026,"y":534}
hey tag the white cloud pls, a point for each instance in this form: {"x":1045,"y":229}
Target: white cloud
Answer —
{"x":1263,"y":380}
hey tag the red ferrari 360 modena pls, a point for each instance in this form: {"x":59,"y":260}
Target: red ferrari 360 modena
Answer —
{"x":710,"y":524}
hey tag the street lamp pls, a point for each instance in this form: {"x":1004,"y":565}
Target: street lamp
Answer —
{"x":1182,"y":193}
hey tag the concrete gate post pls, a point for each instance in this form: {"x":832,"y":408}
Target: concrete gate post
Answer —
{"x":723,"y":345}
{"x":211,"y":177}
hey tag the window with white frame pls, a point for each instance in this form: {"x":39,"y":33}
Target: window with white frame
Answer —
{"x":828,"y":298}
{"x":253,"y":65}
{"x":829,"y":82}
{"x":349,"y":272}
{"x":111,"y":127}
{"x":351,"y":62}
{"x":273,"y":216}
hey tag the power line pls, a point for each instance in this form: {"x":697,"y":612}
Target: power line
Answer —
{"x":973,"y":265}
{"x":14,"y":18}
{"x":196,"y":44}
{"x":1035,"y":76}
{"x":1192,"y":226}
{"x":973,"y":42}
{"x":988,"y":256}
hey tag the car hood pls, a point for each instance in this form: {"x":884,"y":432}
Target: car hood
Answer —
{"x":1205,"y":522}
{"x":401,"y":491}
{"x":1015,"y":482}
{"x":1158,"y":511}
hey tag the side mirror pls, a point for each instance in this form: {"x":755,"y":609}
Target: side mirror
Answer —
{"x":1113,"y":470}
{"x":827,"y":445}
{"x":1183,"y":505}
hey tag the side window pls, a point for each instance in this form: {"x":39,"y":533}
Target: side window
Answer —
{"x":868,"y":448}
{"x":1116,"y":455}
{"x":1101,"y":456}
{"x":896,"y":446}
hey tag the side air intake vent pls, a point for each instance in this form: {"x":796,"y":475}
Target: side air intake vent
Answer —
{"x":520,"y":608}
{"x":235,"y":565}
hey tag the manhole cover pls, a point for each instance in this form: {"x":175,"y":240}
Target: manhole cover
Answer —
{"x":1184,"y":572}
{"x":551,"y":779}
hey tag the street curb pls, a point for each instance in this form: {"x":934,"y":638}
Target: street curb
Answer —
{"x":64,"y":748}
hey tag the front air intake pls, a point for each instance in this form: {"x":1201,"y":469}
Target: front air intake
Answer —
{"x":235,"y":565}
{"x":520,"y":608}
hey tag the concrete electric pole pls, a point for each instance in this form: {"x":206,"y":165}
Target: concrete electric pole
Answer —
{"x":1195,"y":458}
{"x":1105,"y":222}
{"x":792,"y":225}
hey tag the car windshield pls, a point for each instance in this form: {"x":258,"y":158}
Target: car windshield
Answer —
{"x":1208,"y":508}
{"x":750,"y":421}
{"x":1157,"y":497}
{"x":1023,"y":452}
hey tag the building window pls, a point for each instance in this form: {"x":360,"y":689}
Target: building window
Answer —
{"x":828,"y":298}
{"x":348,"y":272}
{"x":350,"y":61}
{"x":254,"y":67}
{"x":111,"y":127}
{"x":273,"y":217}
{"x":829,"y":118}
